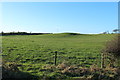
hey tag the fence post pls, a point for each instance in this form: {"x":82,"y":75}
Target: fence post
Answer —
{"x":55,"y":58}
{"x":102,"y":60}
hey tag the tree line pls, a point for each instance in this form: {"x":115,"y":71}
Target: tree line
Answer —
{"x":21,"y":33}
{"x":113,"y":31}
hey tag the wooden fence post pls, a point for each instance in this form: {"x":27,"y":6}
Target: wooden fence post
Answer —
{"x":55,"y":58}
{"x":102,"y":60}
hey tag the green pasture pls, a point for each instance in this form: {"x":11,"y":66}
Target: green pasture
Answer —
{"x":36,"y":51}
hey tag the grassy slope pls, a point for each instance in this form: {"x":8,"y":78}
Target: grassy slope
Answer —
{"x":35,"y":51}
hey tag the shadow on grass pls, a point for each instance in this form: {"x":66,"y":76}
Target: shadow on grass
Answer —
{"x":8,"y":74}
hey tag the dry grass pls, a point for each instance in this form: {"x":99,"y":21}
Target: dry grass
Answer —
{"x":83,"y":73}
{"x":10,"y":71}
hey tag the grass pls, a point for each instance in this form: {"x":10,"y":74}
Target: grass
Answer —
{"x":34,"y":52}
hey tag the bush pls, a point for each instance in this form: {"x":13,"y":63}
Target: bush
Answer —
{"x":113,"y":47}
{"x":112,"y":51}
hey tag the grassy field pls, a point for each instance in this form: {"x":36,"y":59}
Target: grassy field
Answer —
{"x":35,"y":52}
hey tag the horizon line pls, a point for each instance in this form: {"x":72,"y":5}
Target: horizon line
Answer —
{"x":51,"y":32}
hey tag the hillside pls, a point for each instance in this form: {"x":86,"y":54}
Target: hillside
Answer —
{"x":34,"y":52}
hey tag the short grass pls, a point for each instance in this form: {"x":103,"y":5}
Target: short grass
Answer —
{"x":36,"y":51}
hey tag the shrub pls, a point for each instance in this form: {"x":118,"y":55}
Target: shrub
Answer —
{"x":113,"y":47}
{"x":112,"y":52}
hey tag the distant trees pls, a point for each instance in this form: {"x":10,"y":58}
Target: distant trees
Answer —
{"x":106,"y":32}
{"x":113,"y":31}
{"x":21,"y":33}
{"x":116,"y":30}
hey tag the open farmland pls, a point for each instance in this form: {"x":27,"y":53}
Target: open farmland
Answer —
{"x":34,"y":52}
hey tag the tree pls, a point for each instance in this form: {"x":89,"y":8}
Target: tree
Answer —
{"x":104,"y":32}
{"x":116,"y":30}
{"x":2,"y":33}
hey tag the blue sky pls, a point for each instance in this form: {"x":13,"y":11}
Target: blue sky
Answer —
{"x":53,"y":17}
